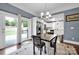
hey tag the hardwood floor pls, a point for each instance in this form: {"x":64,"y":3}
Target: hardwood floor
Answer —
{"x":11,"y":48}
{"x":75,"y":46}
{"x":15,"y":47}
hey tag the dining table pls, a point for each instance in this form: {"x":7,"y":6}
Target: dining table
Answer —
{"x":47,"y":37}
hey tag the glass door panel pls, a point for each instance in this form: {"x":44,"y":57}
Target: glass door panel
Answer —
{"x":10,"y":30}
{"x":24,"y":28}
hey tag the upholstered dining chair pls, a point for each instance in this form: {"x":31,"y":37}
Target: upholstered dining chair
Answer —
{"x":38,"y":43}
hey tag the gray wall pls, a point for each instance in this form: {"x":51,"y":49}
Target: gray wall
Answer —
{"x":11,"y":9}
{"x":69,"y":33}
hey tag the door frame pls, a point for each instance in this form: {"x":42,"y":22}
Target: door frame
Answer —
{"x":2,"y":19}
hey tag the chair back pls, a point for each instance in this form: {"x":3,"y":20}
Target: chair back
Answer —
{"x":36,"y":40}
{"x":53,"y":41}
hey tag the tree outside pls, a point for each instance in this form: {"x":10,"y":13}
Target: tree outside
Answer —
{"x":11,"y":26}
{"x":25,"y":23}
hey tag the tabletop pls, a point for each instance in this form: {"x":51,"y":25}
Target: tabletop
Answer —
{"x":47,"y":37}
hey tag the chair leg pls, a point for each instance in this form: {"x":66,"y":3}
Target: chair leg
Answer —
{"x":34,"y":49}
{"x":54,"y":50}
{"x":45,"y":49}
{"x":40,"y":51}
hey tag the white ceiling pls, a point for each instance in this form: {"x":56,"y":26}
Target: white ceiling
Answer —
{"x":37,"y":8}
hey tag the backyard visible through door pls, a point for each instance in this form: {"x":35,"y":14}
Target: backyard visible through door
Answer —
{"x":10,"y":31}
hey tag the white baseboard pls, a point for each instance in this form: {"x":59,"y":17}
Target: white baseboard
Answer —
{"x":72,"y":42}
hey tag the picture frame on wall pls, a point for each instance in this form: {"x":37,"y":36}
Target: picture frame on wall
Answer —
{"x":72,"y":17}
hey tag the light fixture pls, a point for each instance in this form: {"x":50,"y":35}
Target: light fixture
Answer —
{"x":45,"y":15}
{"x":42,"y":14}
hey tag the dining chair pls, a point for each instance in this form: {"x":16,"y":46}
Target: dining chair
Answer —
{"x":38,"y":43}
{"x":53,"y":43}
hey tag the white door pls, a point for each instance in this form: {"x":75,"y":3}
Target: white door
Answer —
{"x":2,"y":30}
{"x":8,"y":34}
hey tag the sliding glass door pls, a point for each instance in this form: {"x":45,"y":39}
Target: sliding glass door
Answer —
{"x":24,"y":29}
{"x":10,"y":30}
{"x":13,"y":29}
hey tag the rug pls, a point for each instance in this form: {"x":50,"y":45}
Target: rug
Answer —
{"x":62,"y":49}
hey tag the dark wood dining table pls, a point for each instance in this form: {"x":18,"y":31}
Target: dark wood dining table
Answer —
{"x":47,"y":37}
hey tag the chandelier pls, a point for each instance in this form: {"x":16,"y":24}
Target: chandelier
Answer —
{"x":45,"y":15}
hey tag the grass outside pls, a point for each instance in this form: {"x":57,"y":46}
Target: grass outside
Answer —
{"x":12,"y":30}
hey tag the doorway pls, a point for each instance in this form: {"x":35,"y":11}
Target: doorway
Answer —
{"x":10,"y":30}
